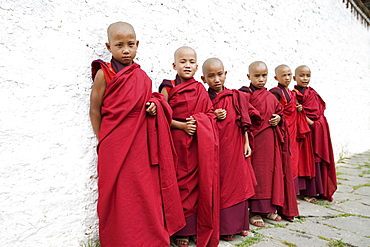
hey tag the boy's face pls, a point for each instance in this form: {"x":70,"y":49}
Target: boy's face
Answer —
{"x":185,"y":63}
{"x":284,"y":76}
{"x":214,"y":76}
{"x":258,"y":75}
{"x":303,"y":77}
{"x":123,"y":46}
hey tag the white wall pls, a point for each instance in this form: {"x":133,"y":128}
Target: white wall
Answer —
{"x":48,"y":160}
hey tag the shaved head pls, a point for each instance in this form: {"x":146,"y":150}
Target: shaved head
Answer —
{"x":280,"y":67}
{"x":211,"y":62}
{"x":255,"y":65}
{"x":184,"y":48}
{"x":120,"y":26}
{"x":300,"y":68}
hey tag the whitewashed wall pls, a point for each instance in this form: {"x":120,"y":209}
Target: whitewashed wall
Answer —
{"x":47,"y":148}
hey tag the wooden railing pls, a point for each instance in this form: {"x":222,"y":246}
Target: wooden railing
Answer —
{"x":360,"y":10}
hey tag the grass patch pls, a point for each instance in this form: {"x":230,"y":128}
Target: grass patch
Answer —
{"x":331,"y":226}
{"x":361,"y":185}
{"x":342,"y":159}
{"x":323,"y":203}
{"x":293,"y":230}
{"x":91,"y":243}
{"x":343,"y":201}
{"x":288,"y":244}
{"x":344,"y":215}
{"x":323,"y":238}
{"x":278,"y":225}
{"x":339,"y":243}
{"x":367,"y":236}
{"x":364,"y":173}
{"x":367,"y":165}
{"x":251,"y":240}
{"x":344,"y":179}
{"x":300,"y":220}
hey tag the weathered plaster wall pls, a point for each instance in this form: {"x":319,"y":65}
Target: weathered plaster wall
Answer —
{"x":47,"y":148}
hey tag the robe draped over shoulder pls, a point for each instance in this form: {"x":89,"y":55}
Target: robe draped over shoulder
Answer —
{"x":271,"y":159}
{"x":314,"y":107}
{"x":198,"y":163}
{"x":139,"y":201}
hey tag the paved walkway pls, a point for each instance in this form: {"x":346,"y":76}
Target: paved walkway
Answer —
{"x":343,"y":222}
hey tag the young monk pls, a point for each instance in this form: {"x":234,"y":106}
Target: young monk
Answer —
{"x":139,"y":202}
{"x":324,"y":183}
{"x":196,"y":141}
{"x":237,"y":178}
{"x":298,"y":128}
{"x":275,"y":187}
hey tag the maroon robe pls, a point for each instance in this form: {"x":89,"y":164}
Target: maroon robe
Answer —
{"x":139,"y":202}
{"x":271,"y":158}
{"x":198,"y":166}
{"x":314,"y":107}
{"x":237,"y":178}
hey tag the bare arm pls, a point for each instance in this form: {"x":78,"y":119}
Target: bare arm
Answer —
{"x":96,"y":99}
{"x":247,"y":148}
{"x":309,"y":121}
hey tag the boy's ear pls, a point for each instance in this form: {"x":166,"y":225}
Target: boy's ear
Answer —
{"x":294,"y":78}
{"x":137,"y":43}
{"x":249,"y":77}
{"x":276,"y":78}
{"x":174,"y":66}
{"x":108,"y":46}
{"x":225,"y":73}
{"x":203,"y":79}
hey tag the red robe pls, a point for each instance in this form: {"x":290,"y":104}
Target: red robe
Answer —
{"x":271,"y":158}
{"x":237,"y":178}
{"x":298,"y":130}
{"x":197,"y":170}
{"x":139,"y":203}
{"x":314,"y":107}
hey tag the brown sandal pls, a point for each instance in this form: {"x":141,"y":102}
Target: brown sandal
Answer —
{"x":257,"y":220}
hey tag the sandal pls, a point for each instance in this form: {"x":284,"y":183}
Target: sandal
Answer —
{"x":273,"y":216}
{"x":257,"y":220}
{"x":182,"y":241}
{"x":227,"y":237}
{"x":310,"y":199}
{"x":243,"y":233}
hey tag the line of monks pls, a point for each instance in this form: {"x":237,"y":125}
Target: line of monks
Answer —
{"x":201,"y":166}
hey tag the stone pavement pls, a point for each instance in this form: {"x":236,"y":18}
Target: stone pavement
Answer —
{"x":343,"y":222}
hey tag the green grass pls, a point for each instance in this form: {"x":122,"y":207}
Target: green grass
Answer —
{"x":288,"y":244}
{"x":251,"y":240}
{"x":323,"y":203}
{"x":346,"y":200}
{"x":278,"y":225}
{"x":294,"y":230}
{"x":342,"y":158}
{"x":323,"y":238}
{"x":344,"y":215}
{"x":344,"y":179}
{"x":91,"y":243}
{"x":364,"y":173}
{"x":367,"y":165}
{"x":361,"y":185}
{"x":300,"y":220}
{"x":331,"y":226}
{"x":338,"y":243}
